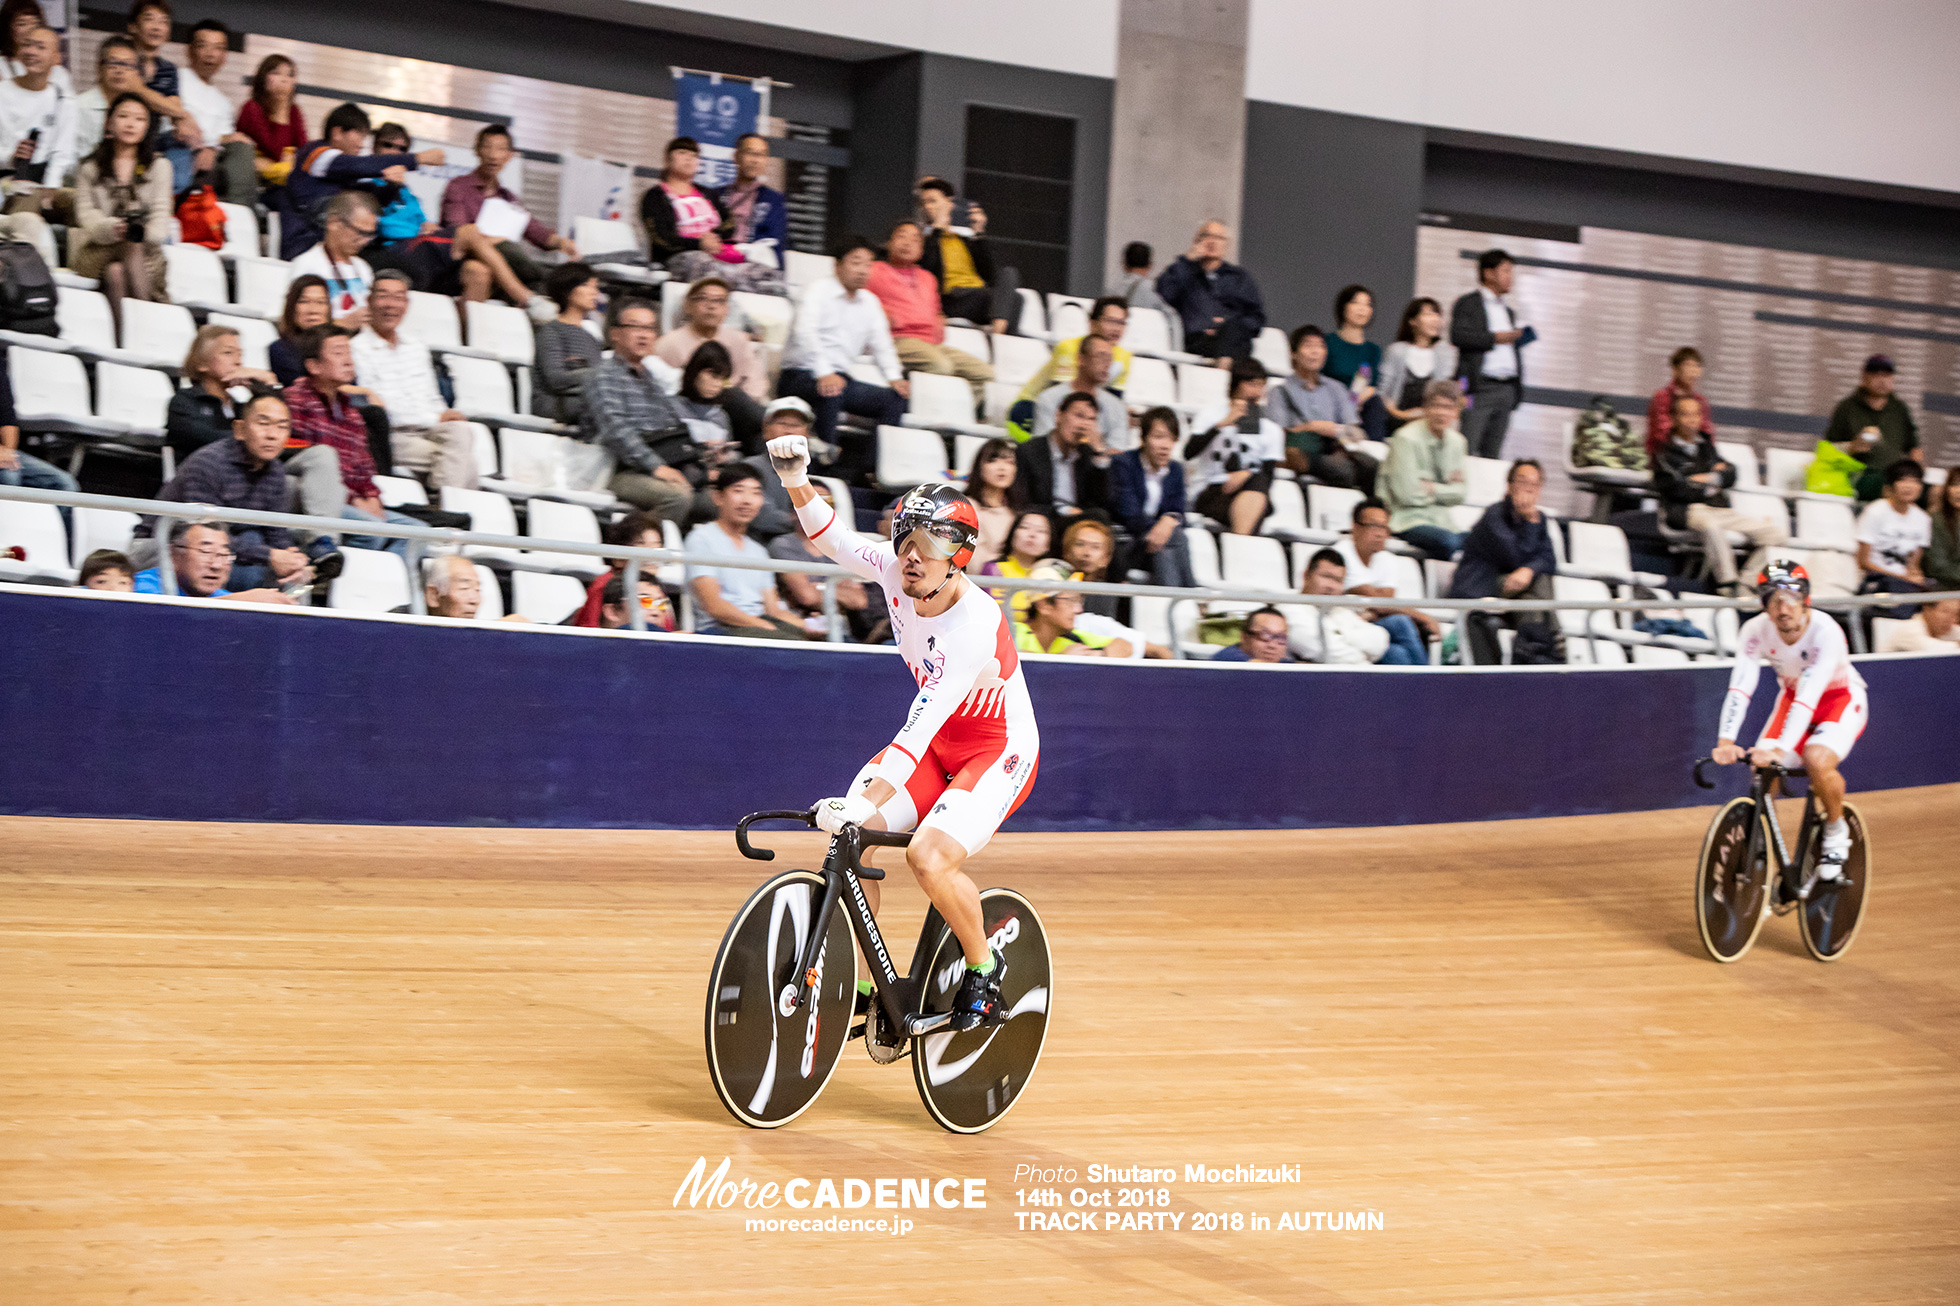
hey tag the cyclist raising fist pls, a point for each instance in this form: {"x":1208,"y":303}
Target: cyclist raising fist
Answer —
{"x":967,"y":754}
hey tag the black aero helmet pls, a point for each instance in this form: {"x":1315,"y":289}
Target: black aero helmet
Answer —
{"x":1783,"y":576}
{"x":946,"y":516}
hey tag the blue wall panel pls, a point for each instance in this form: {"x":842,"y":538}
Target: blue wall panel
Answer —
{"x":167,"y":711}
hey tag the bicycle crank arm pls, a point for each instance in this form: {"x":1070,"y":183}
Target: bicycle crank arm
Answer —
{"x":917,"y":1024}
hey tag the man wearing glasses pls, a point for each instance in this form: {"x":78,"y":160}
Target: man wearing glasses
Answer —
{"x":247,"y":562}
{"x":351,"y":219}
{"x":1262,"y":639}
{"x":629,"y":414}
{"x":704,"y":317}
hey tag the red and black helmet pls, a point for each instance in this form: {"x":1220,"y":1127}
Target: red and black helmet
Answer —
{"x":946,"y":516}
{"x":1783,"y":576}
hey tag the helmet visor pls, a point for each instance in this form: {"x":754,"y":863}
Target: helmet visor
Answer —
{"x":930,"y":539}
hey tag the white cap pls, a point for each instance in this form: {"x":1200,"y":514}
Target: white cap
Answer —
{"x":789,"y":404}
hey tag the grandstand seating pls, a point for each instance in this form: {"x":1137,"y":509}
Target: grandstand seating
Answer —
{"x":1017,"y":359}
{"x":909,"y":457}
{"x":101,"y":528}
{"x":84,"y":319}
{"x":262,"y":286}
{"x":944,"y":403}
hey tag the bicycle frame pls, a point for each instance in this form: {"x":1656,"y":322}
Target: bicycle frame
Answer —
{"x":1765,"y":801}
{"x":843,"y":876}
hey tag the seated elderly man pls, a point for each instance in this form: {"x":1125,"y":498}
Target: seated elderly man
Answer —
{"x":200,"y":553}
{"x":1261,"y":639}
{"x":429,"y":439}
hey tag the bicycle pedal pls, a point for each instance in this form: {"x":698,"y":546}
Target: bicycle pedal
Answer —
{"x":857,"y":1031}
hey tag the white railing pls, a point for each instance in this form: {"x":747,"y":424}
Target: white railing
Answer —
{"x":436,"y":539}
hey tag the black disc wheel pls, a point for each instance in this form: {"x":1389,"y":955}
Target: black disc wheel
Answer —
{"x":969,"y":1080}
{"x":1830,"y":917}
{"x":1731,"y":885}
{"x":769,"y":1060}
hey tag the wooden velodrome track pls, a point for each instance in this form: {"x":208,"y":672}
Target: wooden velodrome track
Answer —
{"x":322,"y":1065}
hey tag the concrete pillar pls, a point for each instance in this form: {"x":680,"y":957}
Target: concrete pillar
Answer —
{"x":1177,"y":144}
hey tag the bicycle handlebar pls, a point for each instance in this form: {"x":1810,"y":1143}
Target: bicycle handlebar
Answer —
{"x":808,"y":817}
{"x":1792,"y":772}
{"x":749,"y":850}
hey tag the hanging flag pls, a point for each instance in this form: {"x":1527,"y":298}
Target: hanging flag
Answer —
{"x":715,"y":113}
{"x":592,"y":188}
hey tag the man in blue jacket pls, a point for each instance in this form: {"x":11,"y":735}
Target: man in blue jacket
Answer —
{"x":1217,"y":301}
{"x":758,"y":211}
{"x":327,"y":167}
{"x":1508,"y":554}
{"x":1147,"y":495}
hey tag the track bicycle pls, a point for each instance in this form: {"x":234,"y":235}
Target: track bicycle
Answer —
{"x":783,"y":989}
{"x":1736,"y":891}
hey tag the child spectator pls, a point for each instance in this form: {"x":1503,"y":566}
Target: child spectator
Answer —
{"x":106,"y":569}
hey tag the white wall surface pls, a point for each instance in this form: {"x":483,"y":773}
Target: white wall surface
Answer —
{"x":1076,"y":36}
{"x":1864,"y":89}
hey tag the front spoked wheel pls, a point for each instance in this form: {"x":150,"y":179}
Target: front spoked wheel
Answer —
{"x":969,"y":1080}
{"x":1732,"y":887}
{"x":1830,"y":917}
{"x":767,"y":1059}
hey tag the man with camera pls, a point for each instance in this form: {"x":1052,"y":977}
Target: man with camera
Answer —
{"x":37,"y":136}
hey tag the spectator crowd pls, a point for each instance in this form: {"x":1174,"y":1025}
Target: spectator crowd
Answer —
{"x":1079,"y":482}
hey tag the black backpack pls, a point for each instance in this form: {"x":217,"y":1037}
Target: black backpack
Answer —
{"x":27,"y":291}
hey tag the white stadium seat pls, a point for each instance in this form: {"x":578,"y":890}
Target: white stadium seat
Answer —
{"x":83,"y":318}
{"x":1330,"y":508}
{"x":262,"y":285}
{"x":1018,"y":358}
{"x":489,"y":514}
{"x":1785,"y":469}
{"x":137,"y":396}
{"x":370,"y":580}
{"x":1270,"y":352}
{"x":800,"y":269}
{"x":597,"y":237}
{"x":965,"y":449}
{"x":563,"y":521}
{"x":1741,"y":456}
{"x":1149,"y":332}
{"x":943,"y":403}
{"x":397,"y":490}
{"x":1198,"y":385}
{"x":1822,"y":525}
{"x":195,"y":277}
{"x":1034,"y":317}
{"x":1152,"y":384}
{"x":970,"y":341}
{"x":545,"y":598}
{"x":1483,"y":481}
{"x":241,"y":231}
{"x":432,"y":320}
{"x":1068,"y":320}
{"x":35,"y":529}
{"x":501,"y":330}
{"x":101,"y":528}
{"x":1255,"y":562}
{"x":1203,"y":547}
{"x":157,"y":333}
{"x":1289,"y":515}
{"x":908,"y":457}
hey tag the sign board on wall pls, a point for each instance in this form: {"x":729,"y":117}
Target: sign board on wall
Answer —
{"x":716,"y":112}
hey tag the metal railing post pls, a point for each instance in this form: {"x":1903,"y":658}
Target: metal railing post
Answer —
{"x":418,"y":602}
{"x":832,"y":618}
{"x":166,"y":565}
